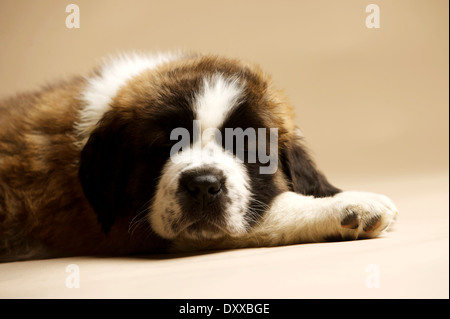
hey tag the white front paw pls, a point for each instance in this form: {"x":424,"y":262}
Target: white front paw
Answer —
{"x":364,"y":215}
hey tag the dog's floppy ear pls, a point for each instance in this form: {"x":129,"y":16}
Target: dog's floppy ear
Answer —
{"x":301,"y":171}
{"x":105,"y":165}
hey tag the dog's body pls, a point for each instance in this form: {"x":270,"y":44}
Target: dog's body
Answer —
{"x":86,"y":166}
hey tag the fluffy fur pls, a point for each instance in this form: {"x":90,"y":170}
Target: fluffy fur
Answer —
{"x":85,"y":165}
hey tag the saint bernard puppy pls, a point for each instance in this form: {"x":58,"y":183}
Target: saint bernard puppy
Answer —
{"x":169,"y":152}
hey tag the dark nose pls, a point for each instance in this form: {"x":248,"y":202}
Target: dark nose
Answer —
{"x":204,"y":186}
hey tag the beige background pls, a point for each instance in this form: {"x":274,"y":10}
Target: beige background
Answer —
{"x":372,"y":103}
{"x":369,"y":101}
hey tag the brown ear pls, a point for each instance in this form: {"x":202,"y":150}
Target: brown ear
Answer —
{"x":301,"y":171}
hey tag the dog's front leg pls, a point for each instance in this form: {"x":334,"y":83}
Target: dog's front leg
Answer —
{"x":294,"y":218}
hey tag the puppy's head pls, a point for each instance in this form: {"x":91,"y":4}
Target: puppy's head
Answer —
{"x":190,"y":143}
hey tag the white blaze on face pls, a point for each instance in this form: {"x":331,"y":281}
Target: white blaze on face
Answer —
{"x":212,"y":104}
{"x":216,"y":100}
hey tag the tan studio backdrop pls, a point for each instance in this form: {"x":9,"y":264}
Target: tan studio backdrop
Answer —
{"x":371,"y":102}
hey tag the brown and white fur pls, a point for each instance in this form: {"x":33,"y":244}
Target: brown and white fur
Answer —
{"x":85,"y":167}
